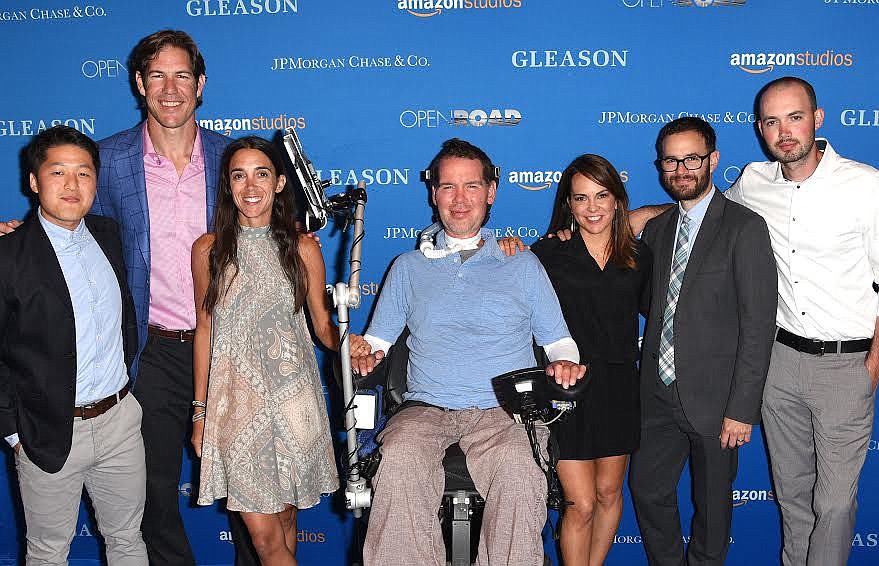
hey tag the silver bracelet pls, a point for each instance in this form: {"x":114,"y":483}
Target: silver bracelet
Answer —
{"x":199,"y":416}
{"x":199,"y":404}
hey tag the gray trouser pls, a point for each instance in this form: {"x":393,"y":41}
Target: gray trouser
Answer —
{"x":107,"y":457}
{"x":403,"y":525}
{"x":818,"y":416}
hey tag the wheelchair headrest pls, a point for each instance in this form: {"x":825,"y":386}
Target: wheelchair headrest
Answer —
{"x":510,"y":387}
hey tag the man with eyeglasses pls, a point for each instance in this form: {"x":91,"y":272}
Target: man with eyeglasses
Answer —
{"x":706,"y":349}
{"x":823,"y":217}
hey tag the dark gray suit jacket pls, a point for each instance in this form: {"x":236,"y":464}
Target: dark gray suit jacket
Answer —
{"x":725,"y":317}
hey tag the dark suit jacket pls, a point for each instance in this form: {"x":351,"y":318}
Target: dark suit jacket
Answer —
{"x":38,"y":338}
{"x":122,"y":196}
{"x":725,"y":318}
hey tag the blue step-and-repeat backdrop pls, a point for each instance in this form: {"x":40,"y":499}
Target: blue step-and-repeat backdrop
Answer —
{"x":375,"y":86}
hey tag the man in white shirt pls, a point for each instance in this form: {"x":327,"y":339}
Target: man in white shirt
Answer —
{"x":823,"y":216}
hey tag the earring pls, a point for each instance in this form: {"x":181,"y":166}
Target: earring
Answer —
{"x":573,"y":223}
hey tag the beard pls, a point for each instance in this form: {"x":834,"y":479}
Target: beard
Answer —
{"x":702,"y":182}
{"x":796,"y":154}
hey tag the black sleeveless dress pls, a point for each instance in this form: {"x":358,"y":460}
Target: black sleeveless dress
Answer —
{"x":601,"y":309}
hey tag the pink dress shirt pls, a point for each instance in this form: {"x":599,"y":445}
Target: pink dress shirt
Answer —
{"x":178,"y":216}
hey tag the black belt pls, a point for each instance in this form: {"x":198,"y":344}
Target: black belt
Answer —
{"x":821,"y":347}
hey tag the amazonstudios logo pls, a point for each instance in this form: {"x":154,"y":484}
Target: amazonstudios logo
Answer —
{"x":757,"y":63}
{"x":304,"y":536}
{"x":431,"y":8}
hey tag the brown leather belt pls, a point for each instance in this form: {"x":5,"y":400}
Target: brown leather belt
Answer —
{"x":180,"y":335}
{"x":98,"y":408}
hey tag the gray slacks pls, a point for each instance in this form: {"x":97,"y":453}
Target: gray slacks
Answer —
{"x":403,"y":526}
{"x":107,"y":458}
{"x":818,"y":417}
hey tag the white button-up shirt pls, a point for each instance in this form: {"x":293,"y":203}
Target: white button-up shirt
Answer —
{"x":825,"y":236}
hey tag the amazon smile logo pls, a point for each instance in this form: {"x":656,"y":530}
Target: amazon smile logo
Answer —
{"x":534,"y":180}
{"x":742,"y":497}
{"x":757,"y":63}
{"x":430,"y":8}
{"x":539,"y":180}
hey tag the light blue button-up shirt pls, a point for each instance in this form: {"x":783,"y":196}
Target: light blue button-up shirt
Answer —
{"x":696,"y":216}
{"x":470,"y":321}
{"x":97,"y":311}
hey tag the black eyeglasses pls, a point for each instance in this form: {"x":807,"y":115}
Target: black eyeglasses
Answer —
{"x":691,"y":162}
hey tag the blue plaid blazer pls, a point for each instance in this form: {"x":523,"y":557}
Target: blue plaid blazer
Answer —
{"x":122,"y":196}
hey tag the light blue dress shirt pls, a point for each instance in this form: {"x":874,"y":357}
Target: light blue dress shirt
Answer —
{"x":470,"y":321}
{"x":97,"y":311}
{"x":696,"y":216}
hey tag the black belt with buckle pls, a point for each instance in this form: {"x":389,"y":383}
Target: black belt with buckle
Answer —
{"x":98,"y":408}
{"x":180,"y":335}
{"x":821,"y":347}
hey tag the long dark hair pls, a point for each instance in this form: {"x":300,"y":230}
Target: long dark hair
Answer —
{"x":621,"y":244}
{"x":282,"y":227}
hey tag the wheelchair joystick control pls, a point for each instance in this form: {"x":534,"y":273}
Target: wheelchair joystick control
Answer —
{"x":534,"y":397}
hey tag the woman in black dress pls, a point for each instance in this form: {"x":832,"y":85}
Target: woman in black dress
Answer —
{"x":601,"y":276}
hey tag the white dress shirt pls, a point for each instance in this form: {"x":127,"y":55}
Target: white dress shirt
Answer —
{"x":825,"y":236}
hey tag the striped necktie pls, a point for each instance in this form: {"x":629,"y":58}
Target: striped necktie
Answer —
{"x":678,"y":267}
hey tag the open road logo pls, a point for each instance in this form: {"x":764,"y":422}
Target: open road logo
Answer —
{"x":433,"y":118}
{"x":707,"y":3}
{"x":682,"y":3}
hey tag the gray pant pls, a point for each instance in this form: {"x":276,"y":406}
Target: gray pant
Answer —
{"x":403,"y":525}
{"x":107,"y":457}
{"x":818,"y":416}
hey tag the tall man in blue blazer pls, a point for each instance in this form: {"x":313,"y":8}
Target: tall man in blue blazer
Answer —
{"x":706,"y":349}
{"x":67,"y":342}
{"x":158,"y":180}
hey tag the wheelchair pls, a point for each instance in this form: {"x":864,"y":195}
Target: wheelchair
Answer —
{"x":529,"y":394}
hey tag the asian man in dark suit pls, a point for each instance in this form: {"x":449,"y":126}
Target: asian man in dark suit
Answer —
{"x":706,"y":349}
{"x":67,"y":341}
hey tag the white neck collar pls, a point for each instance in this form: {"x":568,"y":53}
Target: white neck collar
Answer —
{"x":471,"y":243}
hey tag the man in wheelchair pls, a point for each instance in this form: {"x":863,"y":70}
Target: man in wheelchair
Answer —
{"x":472,"y":313}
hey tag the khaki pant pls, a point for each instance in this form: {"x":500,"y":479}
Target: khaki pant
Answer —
{"x":403,"y":525}
{"x":107,"y":458}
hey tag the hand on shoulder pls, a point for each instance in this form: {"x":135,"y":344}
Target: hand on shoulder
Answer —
{"x":9,"y":226}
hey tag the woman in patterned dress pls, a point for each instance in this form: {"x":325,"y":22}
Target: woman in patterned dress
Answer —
{"x":264,"y":436}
